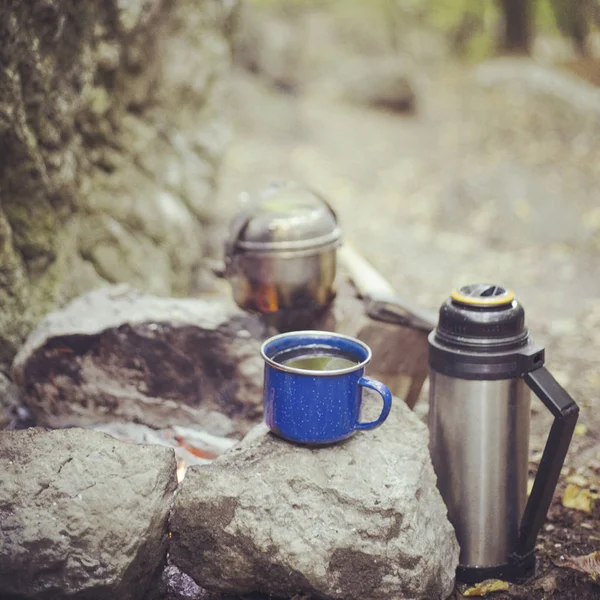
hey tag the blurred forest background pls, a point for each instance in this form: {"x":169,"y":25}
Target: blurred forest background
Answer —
{"x":472,"y":29}
{"x":449,"y":117}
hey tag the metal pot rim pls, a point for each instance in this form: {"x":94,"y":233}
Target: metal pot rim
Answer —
{"x":332,"y":239}
{"x":283,"y":254}
{"x":316,"y":334}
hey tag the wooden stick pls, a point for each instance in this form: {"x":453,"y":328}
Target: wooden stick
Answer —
{"x":382,"y":302}
{"x":365,"y":278}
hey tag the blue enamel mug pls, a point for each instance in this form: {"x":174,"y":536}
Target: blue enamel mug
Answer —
{"x":321,"y":406}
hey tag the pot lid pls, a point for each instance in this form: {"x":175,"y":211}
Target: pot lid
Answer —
{"x":285,"y":216}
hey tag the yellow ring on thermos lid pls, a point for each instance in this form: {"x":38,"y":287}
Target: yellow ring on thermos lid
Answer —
{"x":483,"y":294}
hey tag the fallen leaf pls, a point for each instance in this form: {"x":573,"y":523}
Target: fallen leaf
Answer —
{"x":578,"y":479}
{"x":486,"y":587}
{"x":588,"y":564}
{"x":581,"y":429}
{"x":547,"y":583}
{"x":578,"y":499}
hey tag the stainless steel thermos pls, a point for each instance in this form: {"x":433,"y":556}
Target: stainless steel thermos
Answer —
{"x":483,"y":365}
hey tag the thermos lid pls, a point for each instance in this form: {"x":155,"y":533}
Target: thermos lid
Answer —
{"x":481,"y":335}
{"x":482,"y":314}
{"x":285,"y":217}
{"x":482,"y":295}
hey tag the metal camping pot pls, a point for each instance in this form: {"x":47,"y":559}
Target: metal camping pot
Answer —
{"x":281,"y":255}
{"x":483,"y":365}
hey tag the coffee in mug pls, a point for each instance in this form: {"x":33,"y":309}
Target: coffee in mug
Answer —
{"x":317,"y":358}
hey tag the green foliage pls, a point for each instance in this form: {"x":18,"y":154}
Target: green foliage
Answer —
{"x":470,"y":26}
{"x":480,"y":47}
{"x":283,"y":4}
{"x":544,"y":17}
{"x":450,"y":14}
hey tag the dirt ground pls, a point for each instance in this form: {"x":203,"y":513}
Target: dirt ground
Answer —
{"x":476,"y":186}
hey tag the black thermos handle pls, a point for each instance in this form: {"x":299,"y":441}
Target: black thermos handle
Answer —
{"x":565,"y":412}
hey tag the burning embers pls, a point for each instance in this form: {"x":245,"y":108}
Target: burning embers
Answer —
{"x":181,"y":469}
{"x":192,"y":446}
{"x":266,"y":299}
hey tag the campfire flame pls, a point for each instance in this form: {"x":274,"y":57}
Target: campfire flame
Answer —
{"x":266,"y":298}
{"x":181,"y":469}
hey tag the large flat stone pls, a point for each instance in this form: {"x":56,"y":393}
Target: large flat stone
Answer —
{"x":82,"y":515}
{"x":358,"y":520}
{"x":114,"y":354}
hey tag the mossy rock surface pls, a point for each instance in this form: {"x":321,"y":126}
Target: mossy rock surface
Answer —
{"x":110,"y":136}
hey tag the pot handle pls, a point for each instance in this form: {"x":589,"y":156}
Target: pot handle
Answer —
{"x":396,"y":311}
{"x":385,"y":393}
{"x":565,"y":412}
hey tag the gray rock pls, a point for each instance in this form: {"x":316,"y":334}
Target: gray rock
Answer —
{"x":379,"y":82}
{"x":83,"y":515}
{"x":270,"y":44}
{"x":10,"y":403}
{"x":359,"y":520}
{"x":176,"y":585}
{"x":114,"y":354}
{"x":547,"y":83}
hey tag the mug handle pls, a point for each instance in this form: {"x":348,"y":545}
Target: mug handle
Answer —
{"x":385,"y":393}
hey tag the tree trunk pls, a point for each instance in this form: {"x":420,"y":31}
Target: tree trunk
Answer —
{"x":517,"y":25}
{"x":573,"y":19}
